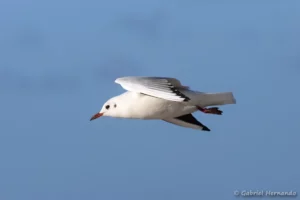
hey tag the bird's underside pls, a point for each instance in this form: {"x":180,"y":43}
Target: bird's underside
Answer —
{"x":189,"y":121}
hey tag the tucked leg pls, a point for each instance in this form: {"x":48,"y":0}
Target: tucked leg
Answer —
{"x":213,"y":110}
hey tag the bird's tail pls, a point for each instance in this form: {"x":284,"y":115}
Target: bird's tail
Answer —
{"x":214,"y":99}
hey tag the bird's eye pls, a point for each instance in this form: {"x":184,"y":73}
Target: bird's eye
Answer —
{"x":107,"y":107}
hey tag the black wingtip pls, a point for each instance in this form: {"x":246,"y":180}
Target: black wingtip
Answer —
{"x":205,"y":129}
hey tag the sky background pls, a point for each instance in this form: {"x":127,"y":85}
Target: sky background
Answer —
{"x":59,"y":60}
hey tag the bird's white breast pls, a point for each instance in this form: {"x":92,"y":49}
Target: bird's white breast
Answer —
{"x":140,"y":106}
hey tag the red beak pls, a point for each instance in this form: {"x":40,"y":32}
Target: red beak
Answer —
{"x":97,"y":115}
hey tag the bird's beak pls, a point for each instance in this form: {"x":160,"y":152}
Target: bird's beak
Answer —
{"x":97,"y":115}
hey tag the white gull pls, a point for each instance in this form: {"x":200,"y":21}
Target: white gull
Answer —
{"x":163,"y":98}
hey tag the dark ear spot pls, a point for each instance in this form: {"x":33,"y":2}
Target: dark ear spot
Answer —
{"x":115,"y":105}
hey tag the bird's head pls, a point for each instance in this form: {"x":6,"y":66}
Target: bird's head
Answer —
{"x":109,"y":108}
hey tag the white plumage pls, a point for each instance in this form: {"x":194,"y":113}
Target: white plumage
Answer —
{"x":162,"y":98}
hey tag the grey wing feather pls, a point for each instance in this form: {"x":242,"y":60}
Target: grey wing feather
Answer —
{"x":160,"y":87}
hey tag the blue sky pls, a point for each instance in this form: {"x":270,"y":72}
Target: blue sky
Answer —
{"x":59,"y":60}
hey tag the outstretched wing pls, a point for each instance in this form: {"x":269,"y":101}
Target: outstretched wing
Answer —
{"x":160,"y":87}
{"x":188,"y":121}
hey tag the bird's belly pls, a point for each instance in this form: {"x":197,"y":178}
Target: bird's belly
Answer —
{"x":147,"y":107}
